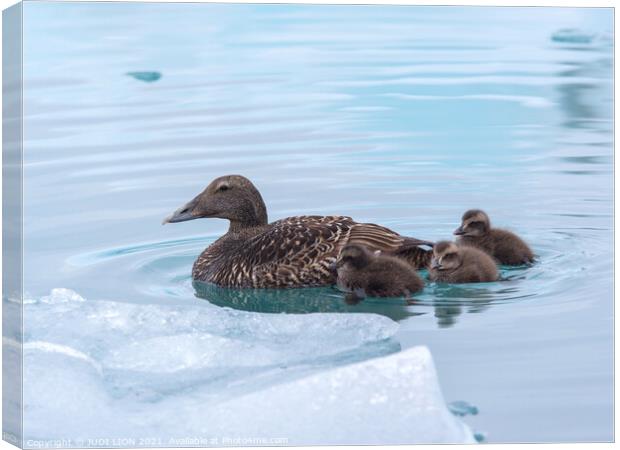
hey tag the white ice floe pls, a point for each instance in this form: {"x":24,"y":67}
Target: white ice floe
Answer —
{"x":198,"y":374}
{"x":389,"y":400}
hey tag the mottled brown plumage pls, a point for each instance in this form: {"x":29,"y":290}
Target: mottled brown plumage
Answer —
{"x":367,"y":274}
{"x":505,"y":246}
{"x":292,"y":252}
{"x":454,"y":263}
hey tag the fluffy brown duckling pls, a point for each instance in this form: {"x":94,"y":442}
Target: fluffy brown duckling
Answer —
{"x":505,"y":246}
{"x":454,"y":263}
{"x":367,"y":274}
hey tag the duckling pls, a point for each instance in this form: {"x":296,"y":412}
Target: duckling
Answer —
{"x":505,"y":246}
{"x":367,"y":274}
{"x":453,"y":263}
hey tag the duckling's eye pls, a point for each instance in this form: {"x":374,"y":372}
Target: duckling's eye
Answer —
{"x":223,"y":188}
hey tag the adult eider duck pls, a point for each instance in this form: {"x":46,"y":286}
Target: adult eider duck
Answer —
{"x":505,"y":246}
{"x":454,"y":263}
{"x":373,"y":274}
{"x":293,"y":252}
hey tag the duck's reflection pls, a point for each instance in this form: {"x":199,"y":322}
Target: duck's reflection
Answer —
{"x":302,"y":301}
{"x":446,"y":301}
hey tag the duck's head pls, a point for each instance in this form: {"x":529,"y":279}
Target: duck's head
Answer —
{"x":474,"y":223}
{"x":231,"y":197}
{"x":446,"y":256}
{"x":355,"y":256}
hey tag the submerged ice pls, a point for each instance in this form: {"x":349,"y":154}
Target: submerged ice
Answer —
{"x":103,"y":369}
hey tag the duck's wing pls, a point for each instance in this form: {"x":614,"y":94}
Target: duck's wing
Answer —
{"x":300,"y":251}
{"x":381,"y":238}
{"x":377,"y":237}
{"x":297,"y":251}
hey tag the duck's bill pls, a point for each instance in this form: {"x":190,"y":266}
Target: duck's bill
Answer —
{"x":459,"y":231}
{"x":177,"y":217}
{"x":183,"y":214}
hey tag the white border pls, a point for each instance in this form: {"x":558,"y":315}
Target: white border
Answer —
{"x":558,"y":3}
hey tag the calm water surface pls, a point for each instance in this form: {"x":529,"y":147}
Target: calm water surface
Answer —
{"x":403,"y":116}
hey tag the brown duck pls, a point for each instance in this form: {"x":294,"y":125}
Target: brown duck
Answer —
{"x":505,"y":246}
{"x":453,"y":263}
{"x":373,"y":274}
{"x":293,"y":252}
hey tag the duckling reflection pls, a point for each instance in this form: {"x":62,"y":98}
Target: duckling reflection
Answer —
{"x":446,"y":314}
{"x":300,"y":301}
{"x":450,"y":300}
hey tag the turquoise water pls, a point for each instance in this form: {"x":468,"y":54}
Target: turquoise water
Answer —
{"x":403,"y":116}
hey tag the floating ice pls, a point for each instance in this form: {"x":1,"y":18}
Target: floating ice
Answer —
{"x":183,"y":374}
{"x":480,"y":436}
{"x":390,"y":400}
{"x":61,"y":295}
{"x":572,"y":36}
{"x":462,"y":408}
{"x":149,"y":77}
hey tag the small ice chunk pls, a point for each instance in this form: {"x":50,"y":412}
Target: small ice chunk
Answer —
{"x":147,"y":76}
{"x":462,"y":408}
{"x":61,"y":295}
{"x":572,"y":36}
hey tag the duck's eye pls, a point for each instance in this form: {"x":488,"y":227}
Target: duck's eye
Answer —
{"x":223,"y":188}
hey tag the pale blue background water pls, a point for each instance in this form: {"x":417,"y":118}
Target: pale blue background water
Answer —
{"x":404,"y":116}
